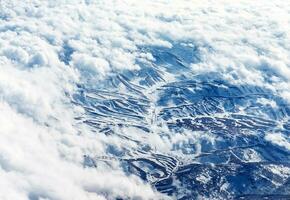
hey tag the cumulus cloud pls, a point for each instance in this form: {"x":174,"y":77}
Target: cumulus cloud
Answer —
{"x":47,"y":47}
{"x":278,"y":139}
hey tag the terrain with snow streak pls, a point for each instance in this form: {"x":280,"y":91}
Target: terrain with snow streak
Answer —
{"x":220,"y":133}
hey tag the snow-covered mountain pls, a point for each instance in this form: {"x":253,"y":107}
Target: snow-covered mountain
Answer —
{"x":144,"y":99}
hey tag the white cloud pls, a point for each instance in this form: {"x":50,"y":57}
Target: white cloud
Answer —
{"x":278,"y":139}
{"x":90,"y":65}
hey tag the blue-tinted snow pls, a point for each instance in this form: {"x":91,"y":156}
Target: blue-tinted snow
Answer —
{"x":223,"y":153}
